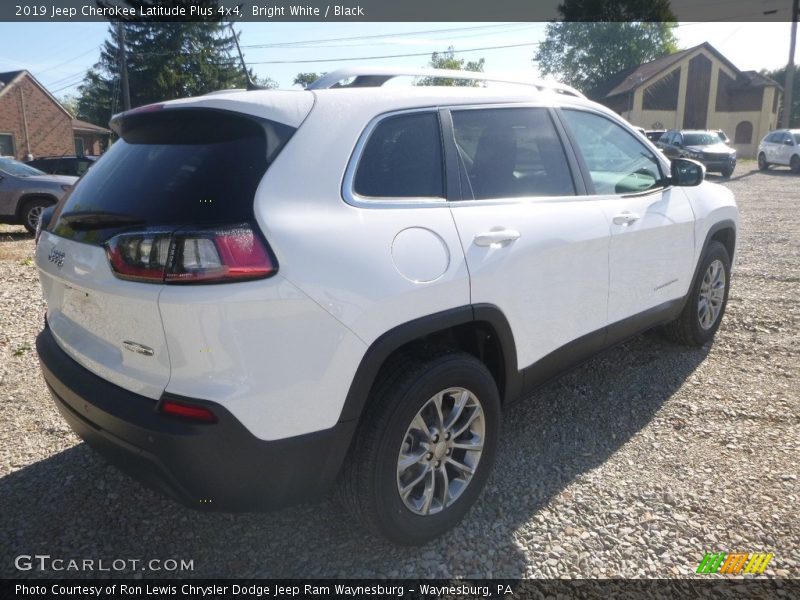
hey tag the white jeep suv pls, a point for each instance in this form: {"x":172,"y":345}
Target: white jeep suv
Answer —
{"x":254,"y":295}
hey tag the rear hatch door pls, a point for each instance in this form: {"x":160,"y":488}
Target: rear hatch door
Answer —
{"x":172,"y":168}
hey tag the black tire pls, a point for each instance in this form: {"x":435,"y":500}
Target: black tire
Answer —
{"x":687,"y":328}
{"x":763,"y":165}
{"x":31,"y":210}
{"x":726,"y":173}
{"x":794,"y":164}
{"x":370,"y":482}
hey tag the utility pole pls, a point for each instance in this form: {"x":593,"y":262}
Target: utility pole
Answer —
{"x":788,"y":88}
{"x":123,"y":67}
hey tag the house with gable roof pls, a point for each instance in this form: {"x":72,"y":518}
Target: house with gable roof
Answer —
{"x":696,"y":88}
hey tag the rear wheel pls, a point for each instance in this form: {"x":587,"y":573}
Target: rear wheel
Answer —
{"x":424,"y":449}
{"x":705,"y":306}
{"x":794,"y":164}
{"x":32,"y":211}
{"x":763,"y":165}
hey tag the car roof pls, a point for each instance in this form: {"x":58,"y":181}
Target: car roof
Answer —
{"x":291,"y":107}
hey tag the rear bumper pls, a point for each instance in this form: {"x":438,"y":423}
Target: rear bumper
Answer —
{"x":219,"y":466}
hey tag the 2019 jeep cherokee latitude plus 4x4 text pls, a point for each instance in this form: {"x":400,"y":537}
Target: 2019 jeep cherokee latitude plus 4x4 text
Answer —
{"x":256,"y":295}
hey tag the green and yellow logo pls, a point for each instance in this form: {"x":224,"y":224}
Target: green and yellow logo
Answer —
{"x":734,"y":563}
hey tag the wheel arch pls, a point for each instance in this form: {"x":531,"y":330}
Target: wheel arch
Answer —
{"x":31,"y":196}
{"x":481,"y":330}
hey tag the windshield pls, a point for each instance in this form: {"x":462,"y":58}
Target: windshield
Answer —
{"x":14,"y":167}
{"x":700,"y":139}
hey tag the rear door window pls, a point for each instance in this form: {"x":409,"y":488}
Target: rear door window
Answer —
{"x":402,"y":159}
{"x":173,"y":167}
{"x":511,"y":153}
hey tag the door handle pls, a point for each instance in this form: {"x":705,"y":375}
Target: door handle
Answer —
{"x":496,"y":238}
{"x":625,"y":218}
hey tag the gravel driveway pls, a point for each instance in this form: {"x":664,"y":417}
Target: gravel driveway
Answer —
{"x":634,"y":465}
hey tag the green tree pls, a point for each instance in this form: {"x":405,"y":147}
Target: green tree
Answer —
{"x":448,"y":60}
{"x":306,"y":79}
{"x":70,"y":102}
{"x":779,"y":75}
{"x":166,"y":60}
{"x":597,"y":39}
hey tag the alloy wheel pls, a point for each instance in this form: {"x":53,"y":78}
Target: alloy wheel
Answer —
{"x":712,"y":295}
{"x":440,"y":451}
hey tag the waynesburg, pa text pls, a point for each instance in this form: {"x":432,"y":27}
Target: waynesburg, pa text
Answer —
{"x":275,"y":590}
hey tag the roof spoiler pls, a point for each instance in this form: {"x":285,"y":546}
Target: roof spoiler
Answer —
{"x":376,"y":77}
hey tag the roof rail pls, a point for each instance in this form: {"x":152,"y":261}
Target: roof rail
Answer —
{"x":376,"y":77}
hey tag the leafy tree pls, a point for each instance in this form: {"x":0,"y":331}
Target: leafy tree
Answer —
{"x":166,"y":60}
{"x":70,"y":102}
{"x":306,"y":79}
{"x":600,"y":38}
{"x":779,"y":75}
{"x":448,"y":60}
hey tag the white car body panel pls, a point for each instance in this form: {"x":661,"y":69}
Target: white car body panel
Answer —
{"x":651,"y":259}
{"x":91,"y":313}
{"x":573,"y":261}
{"x":263,"y":350}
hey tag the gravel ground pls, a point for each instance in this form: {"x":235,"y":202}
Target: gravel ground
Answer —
{"x":633,"y":465}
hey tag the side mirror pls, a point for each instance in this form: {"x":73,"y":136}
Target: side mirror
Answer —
{"x":686,"y":172}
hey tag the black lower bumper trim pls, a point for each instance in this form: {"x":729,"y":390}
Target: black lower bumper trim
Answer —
{"x":220,"y":466}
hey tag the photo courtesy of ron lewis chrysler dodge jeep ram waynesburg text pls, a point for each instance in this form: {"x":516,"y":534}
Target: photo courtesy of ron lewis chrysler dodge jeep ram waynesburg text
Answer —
{"x":257,"y":296}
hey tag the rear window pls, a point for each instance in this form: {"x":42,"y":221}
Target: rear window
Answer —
{"x":172,"y":167}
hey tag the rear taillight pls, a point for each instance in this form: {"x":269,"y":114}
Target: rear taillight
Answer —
{"x":197,"y":255}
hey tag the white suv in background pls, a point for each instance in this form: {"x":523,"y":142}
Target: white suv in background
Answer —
{"x":257,"y":294}
{"x":780,"y":147}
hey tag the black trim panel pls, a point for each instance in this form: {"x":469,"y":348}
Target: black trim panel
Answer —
{"x":219,"y":466}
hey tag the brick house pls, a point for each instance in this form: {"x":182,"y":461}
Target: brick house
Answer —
{"x":89,"y":138}
{"x":33,"y":122}
{"x":696,"y":88}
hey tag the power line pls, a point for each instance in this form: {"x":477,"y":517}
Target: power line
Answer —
{"x":279,"y":62}
{"x":377,"y":36}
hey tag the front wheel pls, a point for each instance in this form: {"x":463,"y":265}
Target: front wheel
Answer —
{"x":763,"y":165}
{"x":727,"y":172}
{"x":705,"y":305}
{"x":424,"y":449}
{"x":794,"y":164}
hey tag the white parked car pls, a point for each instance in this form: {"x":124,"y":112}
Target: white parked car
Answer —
{"x":780,"y":147}
{"x":256,"y":295}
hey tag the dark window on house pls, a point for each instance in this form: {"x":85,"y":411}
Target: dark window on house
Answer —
{"x":6,"y":144}
{"x":511,"y":153}
{"x":775,"y":95}
{"x":618,"y":161}
{"x":79,"y":146}
{"x":744,"y":133}
{"x":663,"y":94}
{"x":733,"y":95}
{"x":403,"y":159}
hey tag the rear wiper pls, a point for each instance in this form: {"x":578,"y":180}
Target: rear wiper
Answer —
{"x":84,"y":220}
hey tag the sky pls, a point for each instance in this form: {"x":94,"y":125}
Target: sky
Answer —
{"x":58,"y":54}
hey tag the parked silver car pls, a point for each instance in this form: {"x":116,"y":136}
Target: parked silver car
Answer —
{"x":25,"y":192}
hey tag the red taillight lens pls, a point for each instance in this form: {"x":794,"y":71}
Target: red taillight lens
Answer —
{"x":188,"y":411}
{"x":222,"y":254}
{"x":212,"y":255}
